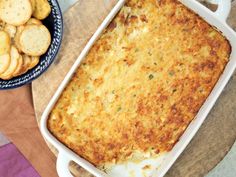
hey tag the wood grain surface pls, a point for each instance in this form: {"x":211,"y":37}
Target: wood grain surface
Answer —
{"x":212,"y":141}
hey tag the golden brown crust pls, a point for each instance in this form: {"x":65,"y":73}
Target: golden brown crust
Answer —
{"x":141,"y":84}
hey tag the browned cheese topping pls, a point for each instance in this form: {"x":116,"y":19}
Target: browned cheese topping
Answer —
{"x":141,"y":84}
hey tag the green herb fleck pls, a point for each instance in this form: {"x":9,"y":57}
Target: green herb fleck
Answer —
{"x":136,"y":50}
{"x":134,"y":95}
{"x":171,"y":73}
{"x":118,"y":109}
{"x":149,"y":53}
{"x":150,"y":76}
{"x":155,"y":63}
{"x":113,"y":91}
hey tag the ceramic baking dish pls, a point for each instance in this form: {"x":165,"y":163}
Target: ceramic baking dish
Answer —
{"x":165,"y":161}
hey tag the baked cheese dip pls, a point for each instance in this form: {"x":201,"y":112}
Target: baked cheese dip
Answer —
{"x":141,"y":84}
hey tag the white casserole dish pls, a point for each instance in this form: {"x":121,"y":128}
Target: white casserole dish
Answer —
{"x":217,"y":19}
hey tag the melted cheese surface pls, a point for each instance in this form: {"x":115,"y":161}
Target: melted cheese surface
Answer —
{"x":141,"y":84}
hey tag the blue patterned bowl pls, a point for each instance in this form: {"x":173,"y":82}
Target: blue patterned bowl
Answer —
{"x":54,"y":22}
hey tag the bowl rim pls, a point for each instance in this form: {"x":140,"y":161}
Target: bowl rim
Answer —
{"x":53,"y":56}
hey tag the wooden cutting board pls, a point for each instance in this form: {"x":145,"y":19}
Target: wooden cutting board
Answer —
{"x":208,"y":147}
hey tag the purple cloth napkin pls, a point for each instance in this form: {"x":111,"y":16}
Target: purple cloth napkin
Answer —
{"x":14,"y":164}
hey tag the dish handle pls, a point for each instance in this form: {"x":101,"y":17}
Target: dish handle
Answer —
{"x":223,"y":10}
{"x":63,"y":165}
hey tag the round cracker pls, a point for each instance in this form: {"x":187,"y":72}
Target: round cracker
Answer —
{"x":42,"y":9}
{"x":19,"y":67}
{"x":5,"y":42}
{"x":5,"y":61}
{"x":15,"y":12}
{"x":34,"y":21}
{"x":33,"y":4}
{"x":8,"y":74}
{"x":35,"y":40}
{"x":26,"y":64}
{"x":17,"y":37}
{"x":11,"y":30}
{"x":34,"y":62}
